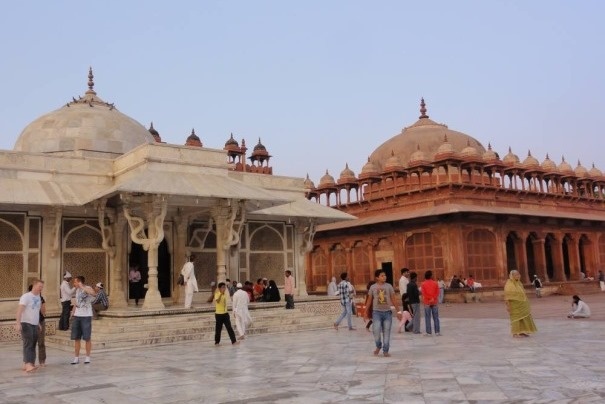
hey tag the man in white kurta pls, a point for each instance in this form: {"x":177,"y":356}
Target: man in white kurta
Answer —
{"x":240,"y":310}
{"x":188,"y":273}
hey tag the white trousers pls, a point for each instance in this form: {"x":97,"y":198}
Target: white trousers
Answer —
{"x":240,"y":324}
{"x":188,"y":295}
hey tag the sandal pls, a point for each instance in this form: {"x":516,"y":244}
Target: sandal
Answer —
{"x":376,"y":351}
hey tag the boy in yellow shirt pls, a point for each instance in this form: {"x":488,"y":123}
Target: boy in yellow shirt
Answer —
{"x":222,"y":315}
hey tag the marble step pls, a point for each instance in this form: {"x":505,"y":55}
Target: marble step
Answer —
{"x":170,"y":336}
{"x":120,"y":330}
{"x":106,"y":325}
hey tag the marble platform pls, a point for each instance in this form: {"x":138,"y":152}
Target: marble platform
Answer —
{"x":475,"y":361}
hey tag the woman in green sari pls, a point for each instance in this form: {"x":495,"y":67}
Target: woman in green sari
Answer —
{"x":517,"y":305}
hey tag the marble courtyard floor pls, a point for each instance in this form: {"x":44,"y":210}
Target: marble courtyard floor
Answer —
{"x":476,"y":360}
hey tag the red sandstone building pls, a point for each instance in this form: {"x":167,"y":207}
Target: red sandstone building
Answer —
{"x":434,"y":198}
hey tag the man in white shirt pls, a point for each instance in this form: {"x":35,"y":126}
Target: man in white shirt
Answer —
{"x":240,"y":310}
{"x":403,"y":282}
{"x":27,"y":323}
{"x":188,"y":273}
{"x":67,"y":292}
{"x":81,"y":328}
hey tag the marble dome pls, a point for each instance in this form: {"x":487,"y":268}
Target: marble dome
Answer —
{"x":84,"y":126}
{"x":426,"y":134}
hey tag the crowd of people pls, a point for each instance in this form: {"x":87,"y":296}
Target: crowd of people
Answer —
{"x":81,"y":304}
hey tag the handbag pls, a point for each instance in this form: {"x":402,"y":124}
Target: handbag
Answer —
{"x":181,"y":280}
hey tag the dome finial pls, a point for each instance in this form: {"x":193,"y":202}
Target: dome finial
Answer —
{"x":91,"y":83}
{"x":423,"y":109}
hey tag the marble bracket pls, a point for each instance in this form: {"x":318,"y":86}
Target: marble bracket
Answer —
{"x":108,"y":243}
{"x":307,"y":237}
{"x":200,"y":235}
{"x":156,"y":212}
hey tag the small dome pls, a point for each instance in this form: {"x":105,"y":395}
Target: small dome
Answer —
{"x":259,"y":151}
{"x":155,"y":133}
{"x":530,"y":161}
{"x":565,"y":168}
{"x":347,"y":175}
{"x":490,"y":156}
{"x":445,"y":150}
{"x":595,"y":172}
{"x":308,"y":184}
{"x":369,"y":170}
{"x":469,"y":152}
{"x":510,"y":158}
{"x":418,"y":157}
{"x":231,"y":142}
{"x":327,"y":181}
{"x":393,"y":163}
{"x":580,"y":170}
{"x":193,"y":140}
{"x":548,"y":165}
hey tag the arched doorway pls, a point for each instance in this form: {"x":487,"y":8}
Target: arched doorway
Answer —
{"x":138,"y":257}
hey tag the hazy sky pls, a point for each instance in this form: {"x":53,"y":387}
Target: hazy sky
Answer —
{"x":322,"y":83}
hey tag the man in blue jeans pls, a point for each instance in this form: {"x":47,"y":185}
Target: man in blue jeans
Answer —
{"x":345,"y":290}
{"x":414,"y":301}
{"x":430,"y":298}
{"x":381,"y":297}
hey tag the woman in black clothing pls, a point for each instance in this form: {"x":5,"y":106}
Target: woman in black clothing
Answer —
{"x":272,"y":292}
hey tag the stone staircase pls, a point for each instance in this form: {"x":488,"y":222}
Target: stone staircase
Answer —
{"x":129,"y":328}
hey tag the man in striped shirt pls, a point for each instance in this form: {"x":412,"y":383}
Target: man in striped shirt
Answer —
{"x":346,"y":292}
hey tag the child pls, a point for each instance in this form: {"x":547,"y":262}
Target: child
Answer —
{"x":407,"y":314}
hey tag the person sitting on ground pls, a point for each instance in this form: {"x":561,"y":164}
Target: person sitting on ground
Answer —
{"x":101,"y":302}
{"x":272,"y":292}
{"x":406,"y":315}
{"x":258,"y":290}
{"x":332,"y":288}
{"x":249,"y":289}
{"x":231,"y":286}
{"x":579,"y":309}
{"x":470,"y":282}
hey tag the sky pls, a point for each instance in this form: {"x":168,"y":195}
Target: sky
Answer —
{"x":321,"y":83}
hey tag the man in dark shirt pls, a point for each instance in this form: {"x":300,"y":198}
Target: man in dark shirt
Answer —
{"x":414,"y":301}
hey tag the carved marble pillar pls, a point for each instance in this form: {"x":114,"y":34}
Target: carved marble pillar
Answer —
{"x":181,"y":252}
{"x":228,"y":228}
{"x":153,"y":212}
{"x":51,"y":258}
{"x":303,"y":237}
{"x":112,"y":230}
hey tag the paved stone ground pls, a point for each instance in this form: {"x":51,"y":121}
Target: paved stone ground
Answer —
{"x":475,"y":361}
